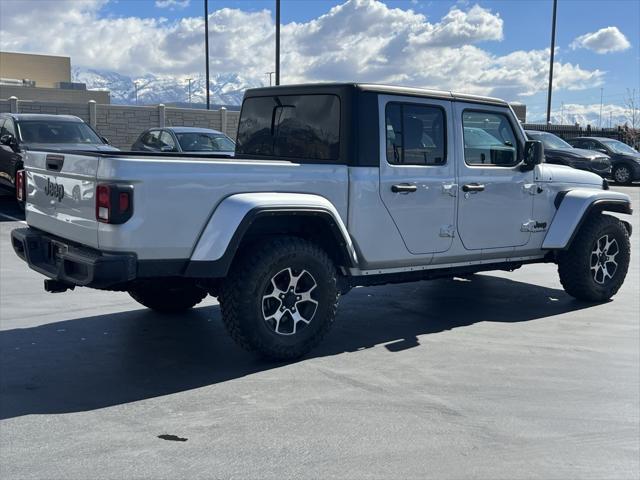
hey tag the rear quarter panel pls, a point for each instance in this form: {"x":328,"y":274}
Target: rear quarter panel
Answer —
{"x":174,"y":198}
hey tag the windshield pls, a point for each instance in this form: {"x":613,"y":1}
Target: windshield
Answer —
{"x":619,"y":147}
{"x":549,"y":140}
{"x":56,"y":131}
{"x":205,"y":142}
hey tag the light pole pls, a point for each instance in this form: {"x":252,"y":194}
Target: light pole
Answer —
{"x":553,"y":47}
{"x":135,"y":85}
{"x":277,"y":42}
{"x":600,"y":116}
{"x":189,"y":80}
{"x":206,"y":47}
{"x":269,"y":73}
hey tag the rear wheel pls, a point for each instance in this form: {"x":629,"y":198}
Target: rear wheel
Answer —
{"x":167,"y":297}
{"x":595,"y":265}
{"x":281,"y":299}
{"x":622,"y":174}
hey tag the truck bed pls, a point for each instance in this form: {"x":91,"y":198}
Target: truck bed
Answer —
{"x":173,"y":195}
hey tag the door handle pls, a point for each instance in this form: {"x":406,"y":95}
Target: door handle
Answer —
{"x":403,"y":188}
{"x":473,"y":187}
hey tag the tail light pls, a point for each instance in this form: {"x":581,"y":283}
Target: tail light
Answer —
{"x":21,"y":186}
{"x":114,"y":203}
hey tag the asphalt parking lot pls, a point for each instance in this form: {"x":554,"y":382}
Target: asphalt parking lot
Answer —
{"x":501,"y":375}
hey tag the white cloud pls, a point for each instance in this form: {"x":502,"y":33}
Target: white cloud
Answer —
{"x":359,"y":40}
{"x":172,"y":4}
{"x":589,"y":114}
{"x":605,"y":40}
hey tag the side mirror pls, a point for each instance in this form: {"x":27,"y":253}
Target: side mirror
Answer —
{"x":533,"y":153}
{"x":602,"y":150}
{"x":105,"y":140}
{"x":166,"y":148}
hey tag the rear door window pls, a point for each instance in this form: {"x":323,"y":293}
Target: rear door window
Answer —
{"x":304,"y":127}
{"x":415,"y":134}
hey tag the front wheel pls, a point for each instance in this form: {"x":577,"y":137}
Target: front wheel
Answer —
{"x":281,"y":298}
{"x":595,"y":265}
{"x":622,"y":174}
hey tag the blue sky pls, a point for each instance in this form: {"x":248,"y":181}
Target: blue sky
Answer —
{"x":523,"y":28}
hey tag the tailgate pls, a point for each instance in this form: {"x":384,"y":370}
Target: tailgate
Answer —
{"x":60,"y":195}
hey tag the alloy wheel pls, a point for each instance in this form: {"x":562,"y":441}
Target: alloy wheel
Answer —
{"x":622,"y":174}
{"x":603,"y":259}
{"x":288,"y":302}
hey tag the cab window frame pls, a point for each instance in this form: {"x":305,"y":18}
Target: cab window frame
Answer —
{"x":519,"y":147}
{"x":402,"y":104}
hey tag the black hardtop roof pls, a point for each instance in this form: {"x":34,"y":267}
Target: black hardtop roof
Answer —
{"x":337,"y":88}
{"x":41,"y":116}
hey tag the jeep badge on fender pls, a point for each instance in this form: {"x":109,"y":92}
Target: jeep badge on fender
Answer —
{"x":53,"y":189}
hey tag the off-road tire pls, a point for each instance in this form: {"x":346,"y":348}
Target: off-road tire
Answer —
{"x":241,"y":296}
{"x":167,"y":298}
{"x":618,"y":172}
{"x":574,"y":265}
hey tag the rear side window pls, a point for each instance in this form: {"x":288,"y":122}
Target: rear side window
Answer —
{"x":8,"y":128}
{"x":303,"y":127}
{"x":415,"y":134}
{"x":152,"y":139}
{"x":166,"y":141}
{"x":489,"y":139}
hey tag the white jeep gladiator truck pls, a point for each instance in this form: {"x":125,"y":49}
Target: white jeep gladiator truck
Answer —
{"x":332,"y":186}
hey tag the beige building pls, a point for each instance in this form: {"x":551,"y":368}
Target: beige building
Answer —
{"x":44,"y":78}
{"x":46,"y":70}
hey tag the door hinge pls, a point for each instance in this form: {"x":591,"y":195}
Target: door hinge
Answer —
{"x":533,"y":226}
{"x":532,"y":188}
{"x":447,"y":231}
{"x":450,"y":189}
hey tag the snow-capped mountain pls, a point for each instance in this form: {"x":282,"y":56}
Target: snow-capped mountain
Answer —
{"x":225,"y":89}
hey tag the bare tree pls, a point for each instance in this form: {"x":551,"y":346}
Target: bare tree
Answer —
{"x":632,"y":109}
{"x":632,"y":112}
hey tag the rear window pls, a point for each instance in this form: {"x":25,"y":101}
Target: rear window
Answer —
{"x":303,"y":127}
{"x":52,"y":131}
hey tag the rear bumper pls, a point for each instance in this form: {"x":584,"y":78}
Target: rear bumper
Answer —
{"x":63,"y":261}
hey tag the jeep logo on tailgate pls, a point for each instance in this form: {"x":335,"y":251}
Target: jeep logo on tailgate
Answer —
{"x":53,"y":189}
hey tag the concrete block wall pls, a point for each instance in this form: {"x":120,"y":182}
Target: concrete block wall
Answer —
{"x":55,"y":108}
{"x":122,"y":124}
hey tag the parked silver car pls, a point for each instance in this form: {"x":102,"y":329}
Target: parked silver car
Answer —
{"x":192,"y":140}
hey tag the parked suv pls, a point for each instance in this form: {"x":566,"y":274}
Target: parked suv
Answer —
{"x":190,"y":140}
{"x":21,"y":132}
{"x":625,"y":161}
{"x":559,"y":152}
{"x":332,"y":186}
